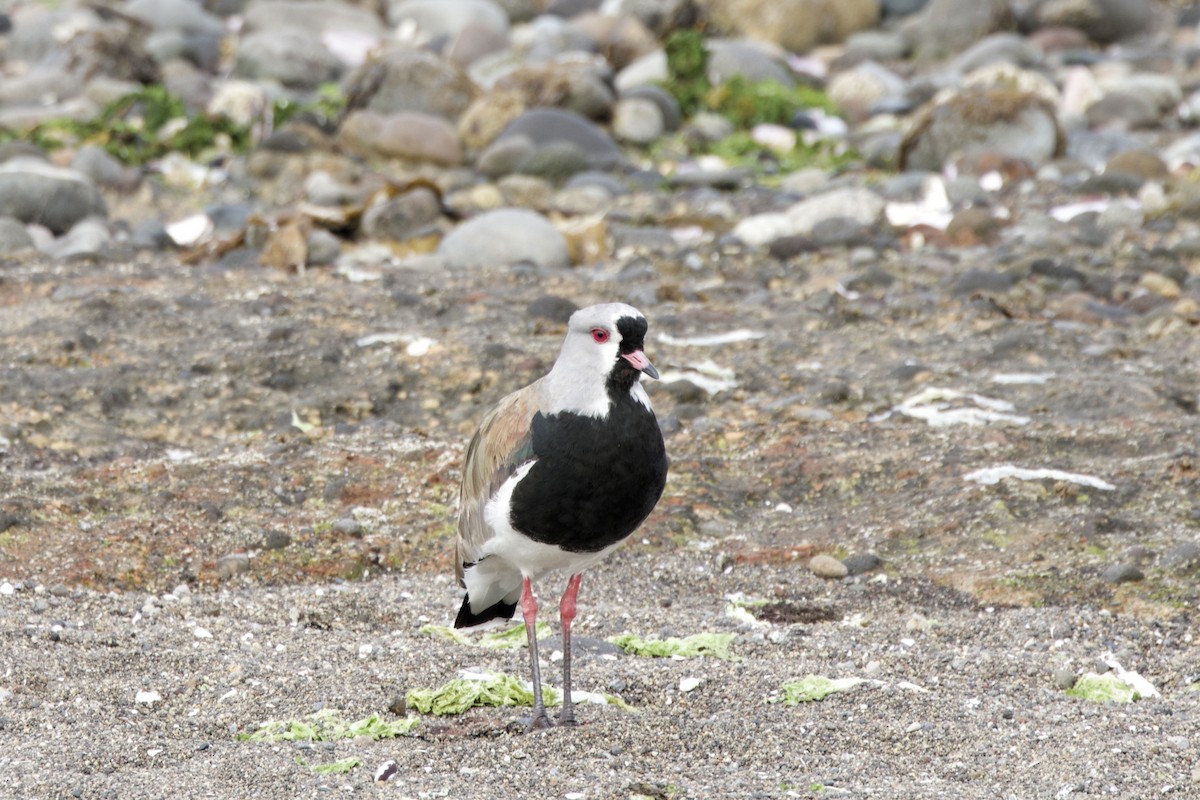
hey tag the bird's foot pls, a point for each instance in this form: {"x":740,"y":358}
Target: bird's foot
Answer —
{"x":539,"y":722}
{"x":567,"y":722}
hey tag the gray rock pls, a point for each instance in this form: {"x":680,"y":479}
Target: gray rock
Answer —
{"x":1126,"y":109}
{"x":102,"y":168}
{"x":983,"y":120}
{"x":1182,"y":558}
{"x":859,"y":205}
{"x":348,"y":526}
{"x":323,"y":248}
{"x":609,"y":183}
{"x":505,"y":236}
{"x":638,"y":120}
{"x":948,"y":26}
{"x":314,"y":16}
{"x":294,"y":57}
{"x":472,"y":43}
{"x":988,"y":281}
{"x":555,"y":161}
{"x":841,"y":232}
{"x":551,"y":307}
{"x":1003,"y":48}
{"x":181,"y":15}
{"x":1095,"y":148}
{"x":400,"y":217}
{"x":525,"y":191}
{"x":861,"y":563}
{"x":325,"y":190}
{"x":826,"y":566}
{"x":865,"y":86}
{"x":568,"y":83}
{"x":405,"y":134}
{"x":651,"y":69}
{"x":877,"y":45}
{"x":1104,"y":21}
{"x":404,"y":78}
{"x":34,"y":191}
{"x":502,"y":157}
{"x":794,"y":25}
{"x":666,"y":102}
{"x":232,"y":565}
{"x":13,"y":236}
{"x":1064,"y":678}
{"x":201,"y":49}
{"x":275,"y":540}
{"x":746,"y":58}
{"x":1122,"y":573}
{"x":588,"y":198}
{"x":709,"y":127}
{"x":901,"y":8}
{"x":88,"y":238}
{"x":436,"y":18}
{"x":151,"y":234}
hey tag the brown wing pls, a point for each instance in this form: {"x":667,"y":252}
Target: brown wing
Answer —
{"x":500,"y":445}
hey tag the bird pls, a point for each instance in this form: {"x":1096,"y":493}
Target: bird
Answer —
{"x":557,"y":475}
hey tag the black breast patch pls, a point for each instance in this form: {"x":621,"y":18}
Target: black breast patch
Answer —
{"x":595,"y":480}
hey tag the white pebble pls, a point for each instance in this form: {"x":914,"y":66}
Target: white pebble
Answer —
{"x":147,"y":697}
{"x":201,"y":633}
{"x":7,"y":589}
{"x":688,"y":684}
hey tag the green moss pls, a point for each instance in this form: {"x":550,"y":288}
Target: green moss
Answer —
{"x":687,"y":69}
{"x":740,"y":149}
{"x":460,"y":694}
{"x":327,"y":726}
{"x":815,"y":687}
{"x":151,"y":122}
{"x":747,"y":103}
{"x":715,"y":645}
{"x":1106,"y":688}
{"x":339,"y":767}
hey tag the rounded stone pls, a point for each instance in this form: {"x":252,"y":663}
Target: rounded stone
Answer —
{"x":34,"y":191}
{"x":505,"y":236}
{"x":1122,"y":573}
{"x":13,"y":236}
{"x":406,"y":134}
{"x":826,"y":566}
{"x":547,"y":126}
{"x":638,"y":120}
{"x":232,"y":565}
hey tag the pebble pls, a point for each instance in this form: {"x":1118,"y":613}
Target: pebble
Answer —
{"x":1182,"y":558}
{"x":861,"y":563}
{"x":348,"y":526}
{"x":1064,"y":678}
{"x":1122,"y":573}
{"x":408,"y":135}
{"x":505,"y":236}
{"x":13,"y":236}
{"x":232,"y":565}
{"x":826,"y":566}
{"x":56,"y":197}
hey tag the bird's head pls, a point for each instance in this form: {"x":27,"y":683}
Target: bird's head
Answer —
{"x":602,"y":356}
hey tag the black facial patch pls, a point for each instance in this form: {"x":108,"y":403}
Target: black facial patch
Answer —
{"x":633,"y":337}
{"x":633,"y":333}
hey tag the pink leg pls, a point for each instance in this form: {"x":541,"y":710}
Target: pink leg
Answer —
{"x":529,"y":609}
{"x":566,"y":614}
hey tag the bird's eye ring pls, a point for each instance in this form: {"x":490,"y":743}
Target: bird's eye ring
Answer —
{"x":599,"y":335}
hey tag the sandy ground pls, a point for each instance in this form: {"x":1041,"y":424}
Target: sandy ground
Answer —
{"x":238,"y":433}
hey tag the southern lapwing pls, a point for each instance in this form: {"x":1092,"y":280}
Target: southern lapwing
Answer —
{"x":557,"y":476}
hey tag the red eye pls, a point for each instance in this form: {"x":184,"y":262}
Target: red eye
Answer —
{"x":599,"y":335}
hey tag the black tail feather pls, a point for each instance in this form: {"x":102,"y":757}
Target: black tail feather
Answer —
{"x":468,"y":619}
